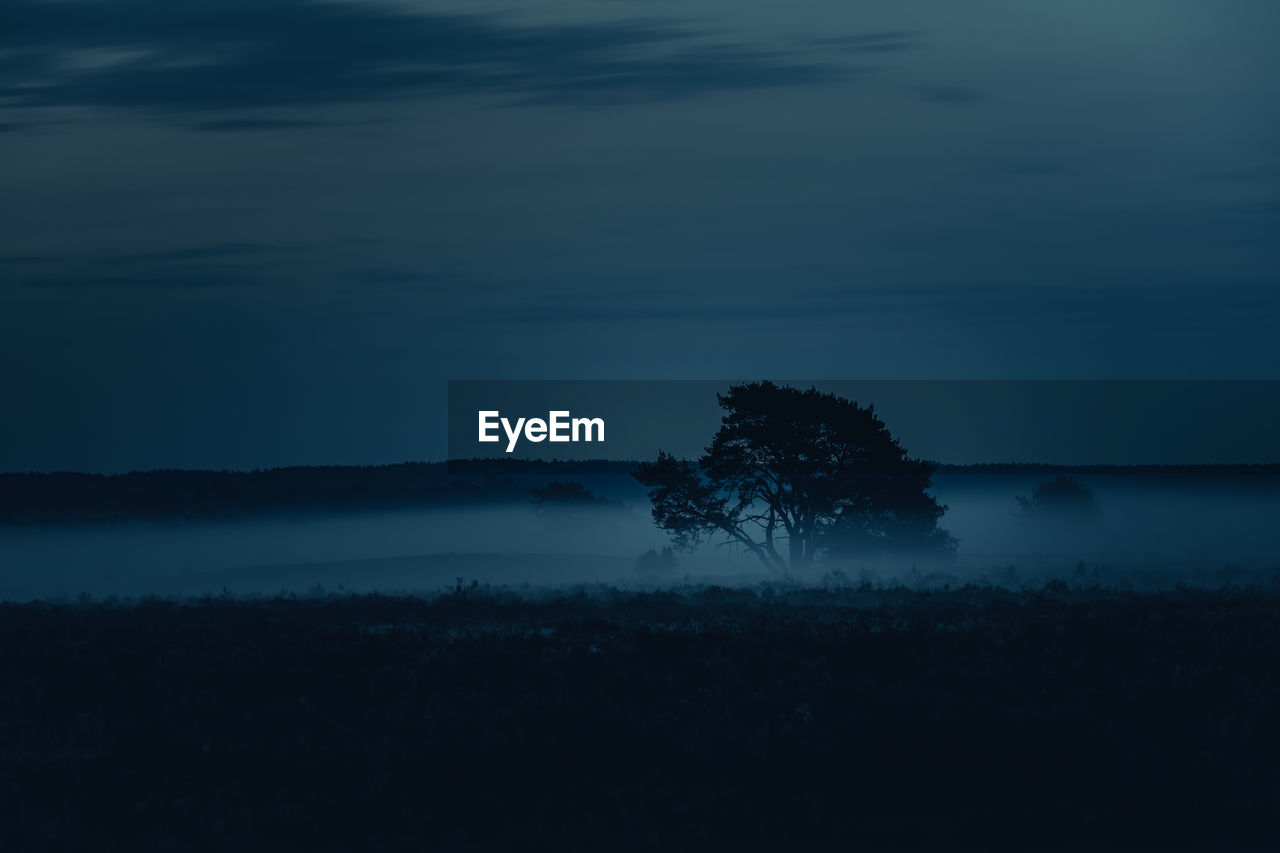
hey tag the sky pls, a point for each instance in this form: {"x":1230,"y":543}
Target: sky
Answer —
{"x":245,"y":234}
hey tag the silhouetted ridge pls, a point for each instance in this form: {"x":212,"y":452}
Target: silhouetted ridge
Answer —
{"x":73,"y":497}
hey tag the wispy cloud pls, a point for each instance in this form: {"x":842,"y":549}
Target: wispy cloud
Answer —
{"x":200,"y":266}
{"x":950,"y":95}
{"x":887,"y":41}
{"x":197,"y":58}
{"x":249,"y":124}
{"x":169,"y":280}
{"x":976,"y":301}
{"x":195,"y":253}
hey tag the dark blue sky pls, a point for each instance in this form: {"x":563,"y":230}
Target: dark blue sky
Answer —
{"x":241,"y":234}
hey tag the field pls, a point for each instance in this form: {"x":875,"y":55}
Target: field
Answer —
{"x":690,"y":718}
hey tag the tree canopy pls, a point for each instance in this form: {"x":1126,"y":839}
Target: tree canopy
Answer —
{"x":815,"y":471}
{"x":1062,"y":498}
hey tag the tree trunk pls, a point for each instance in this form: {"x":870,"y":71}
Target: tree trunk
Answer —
{"x":798,"y":556}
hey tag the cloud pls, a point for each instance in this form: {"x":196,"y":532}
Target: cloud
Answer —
{"x":243,"y":124}
{"x":195,"y":253}
{"x":384,"y":275}
{"x":888,"y":41}
{"x":219,"y":56}
{"x":1255,"y":174}
{"x":203,"y":266}
{"x":977,"y":302}
{"x":950,"y":95}
{"x":1034,"y":169}
{"x":173,"y":280}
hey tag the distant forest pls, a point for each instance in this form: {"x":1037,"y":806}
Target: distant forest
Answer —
{"x":69,"y":497}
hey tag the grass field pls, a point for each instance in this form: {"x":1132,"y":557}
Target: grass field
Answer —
{"x":691,"y":718}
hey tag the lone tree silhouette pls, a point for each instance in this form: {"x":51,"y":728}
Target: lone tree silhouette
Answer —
{"x":816,"y":471}
{"x":1062,"y":498}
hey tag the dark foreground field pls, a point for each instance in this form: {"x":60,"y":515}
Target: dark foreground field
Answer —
{"x":695,"y":719}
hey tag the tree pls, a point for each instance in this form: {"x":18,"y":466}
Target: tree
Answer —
{"x":816,"y":471}
{"x":1063,"y":498}
{"x":652,"y":562}
{"x":571,"y":496}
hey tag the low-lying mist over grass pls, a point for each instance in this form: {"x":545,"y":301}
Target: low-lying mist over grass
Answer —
{"x":1148,"y":532}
